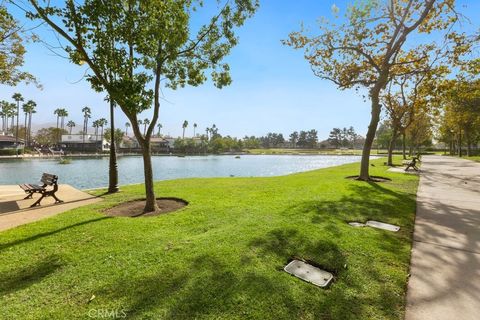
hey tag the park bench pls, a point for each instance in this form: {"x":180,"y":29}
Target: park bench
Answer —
{"x":55,"y":152}
{"x":412,"y":164}
{"x":47,"y":189}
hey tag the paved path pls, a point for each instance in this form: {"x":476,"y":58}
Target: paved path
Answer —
{"x":445,"y":265}
{"x":15,"y":211}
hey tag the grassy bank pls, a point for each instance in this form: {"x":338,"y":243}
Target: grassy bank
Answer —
{"x":305,"y":151}
{"x":222,"y":256}
{"x":473,"y":158}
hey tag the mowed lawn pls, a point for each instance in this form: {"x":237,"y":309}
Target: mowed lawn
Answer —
{"x":222,"y":256}
{"x":474,"y":158}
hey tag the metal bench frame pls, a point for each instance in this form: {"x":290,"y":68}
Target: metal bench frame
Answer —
{"x":48,"y":180}
{"x":413,"y":164}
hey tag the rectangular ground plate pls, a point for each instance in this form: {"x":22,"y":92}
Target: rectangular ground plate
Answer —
{"x":381,"y":225}
{"x":356,"y":224}
{"x":309,"y":273}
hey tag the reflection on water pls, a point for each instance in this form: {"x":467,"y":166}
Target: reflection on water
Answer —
{"x":84,"y":173}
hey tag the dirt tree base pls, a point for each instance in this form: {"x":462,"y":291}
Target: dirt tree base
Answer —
{"x":135,"y":208}
{"x":372,"y":178}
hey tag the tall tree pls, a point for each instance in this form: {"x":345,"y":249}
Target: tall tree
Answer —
{"x":12,"y":50}
{"x":127,"y":125}
{"x":146,"y":122}
{"x":335,"y":138}
{"x":184,"y":126}
{"x":102,"y":122}
{"x":141,"y":43}
{"x":63,"y":115}
{"x":113,"y":136}
{"x":18,"y":98}
{"x":70,"y":126}
{"x":366,"y":50}
{"x":96,"y":125}
{"x":159,"y":129}
{"x":194,"y":129}
{"x":294,"y":139}
{"x":57,"y":112}
{"x":3,"y":113}
{"x":28,"y":108}
{"x":86,"y":115}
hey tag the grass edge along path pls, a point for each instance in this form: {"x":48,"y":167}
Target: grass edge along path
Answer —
{"x":222,"y":256}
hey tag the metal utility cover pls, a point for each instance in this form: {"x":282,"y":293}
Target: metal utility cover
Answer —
{"x":309,"y":273}
{"x":356,"y":224}
{"x":381,"y":225}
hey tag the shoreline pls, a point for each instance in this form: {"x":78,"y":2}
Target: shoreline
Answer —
{"x":90,"y":155}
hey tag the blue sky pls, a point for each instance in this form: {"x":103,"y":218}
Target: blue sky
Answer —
{"x":273,"y":88}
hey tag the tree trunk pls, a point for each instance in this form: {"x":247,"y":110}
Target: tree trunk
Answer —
{"x":29,"y":129}
{"x":25,"y":135}
{"x":469,"y":143}
{"x":150,"y":203}
{"x":112,"y":168}
{"x":460,"y":144}
{"x":391,"y":145}
{"x":372,"y":129}
{"x":404,"y":146}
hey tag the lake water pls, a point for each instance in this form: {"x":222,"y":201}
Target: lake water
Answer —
{"x":85,"y":173}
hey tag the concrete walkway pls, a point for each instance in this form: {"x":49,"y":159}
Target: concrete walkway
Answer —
{"x":15,"y":211}
{"x":445,"y":265}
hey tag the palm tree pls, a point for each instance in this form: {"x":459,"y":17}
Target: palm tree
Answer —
{"x":5,"y":114}
{"x":63,"y":114}
{"x":86,"y":115}
{"x":146,"y":122}
{"x":32,"y":111}
{"x":8,"y":111}
{"x":127,"y":125}
{"x":101,"y":123}
{"x":184,"y":126}
{"x":213,"y":130}
{"x":28,"y":109}
{"x":18,"y":98}
{"x":207,"y":131}
{"x":70,"y":124}
{"x":159,"y":128}
{"x":57,"y":112}
{"x":95,"y":125}
{"x":194,"y":128}
{"x":11,"y":114}
{"x":139,"y":122}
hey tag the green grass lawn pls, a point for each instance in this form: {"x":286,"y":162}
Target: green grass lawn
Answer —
{"x":222,"y":256}
{"x":474,"y":158}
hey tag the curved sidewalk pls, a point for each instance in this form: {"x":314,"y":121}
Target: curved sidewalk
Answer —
{"x":445,"y":263}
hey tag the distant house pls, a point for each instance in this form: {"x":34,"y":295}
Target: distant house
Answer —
{"x":128,"y":143}
{"x":84,"y":143}
{"x":9,"y":142}
{"x":157,"y":144}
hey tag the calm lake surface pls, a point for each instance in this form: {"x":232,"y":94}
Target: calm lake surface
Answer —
{"x":85,"y":173}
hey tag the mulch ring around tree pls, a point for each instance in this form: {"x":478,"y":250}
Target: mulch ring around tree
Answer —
{"x":135,"y":208}
{"x":372,"y":178}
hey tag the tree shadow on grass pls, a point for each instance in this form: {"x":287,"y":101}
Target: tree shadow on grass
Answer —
{"x":206,"y":287}
{"x":7,"y":245}
{"x":218,"y":287}
{"x":287,"y":244}
{"x":25,"y":276}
